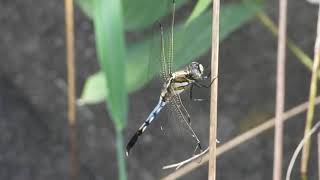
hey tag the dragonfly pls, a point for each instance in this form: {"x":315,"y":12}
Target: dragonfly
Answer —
{"x":174,"y":84}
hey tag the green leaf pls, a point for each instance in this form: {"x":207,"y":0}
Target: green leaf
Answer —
{"x":109,"y":35}
{"x":138,"y":14}
{"x":201,"y":6}
{"x":95,"y":83}
{"x":190,"y":43}
{"x":87,"y":6}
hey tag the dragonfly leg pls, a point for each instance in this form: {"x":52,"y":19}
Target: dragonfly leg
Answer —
{"x":191,"y":98}
{"x":207,"y":76}
{"x":197,"y":139}
{"x":198,"y":146}
{"x":200,"y":86}
{"x":203,"y":85}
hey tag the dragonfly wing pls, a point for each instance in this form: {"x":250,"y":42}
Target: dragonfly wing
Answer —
{"x":183,"y":116}
{"x":180,"y":108}
{"x":175,"y":124}
{"x":166,"y":45}
{"x":171,"y":42}
{"x":162,"y":48}
{"x":157,"y":59}
{"x":163,"y":58}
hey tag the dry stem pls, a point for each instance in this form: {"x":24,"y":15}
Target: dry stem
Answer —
{"x":280,"y":91}
{"x":214,"y":89}
{"x":296,"y":51}
{"x":182,"y":163}
{"x":69,"y":20}
{"x":239,"y":140}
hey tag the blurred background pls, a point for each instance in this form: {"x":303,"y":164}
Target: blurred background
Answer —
{"x":33,"y":125}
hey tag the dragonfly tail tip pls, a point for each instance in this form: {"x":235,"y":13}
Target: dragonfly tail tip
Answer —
{"x":128,"y":150}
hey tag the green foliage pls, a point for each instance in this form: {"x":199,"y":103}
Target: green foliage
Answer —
{"x":109,"y":35}
{"x":191,"y":42}
{"x":201,"y":6}
{"x":138,"y":14}
{"x":94,"y":89}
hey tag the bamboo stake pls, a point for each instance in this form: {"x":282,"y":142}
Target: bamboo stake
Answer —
{"x":69,"y":20}
{"x":214,"y":89}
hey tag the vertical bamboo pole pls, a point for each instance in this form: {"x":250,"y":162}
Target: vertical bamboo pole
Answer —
{"x":214,"y":89}
{"x":69,"y":20}
{"x":280,"y":92}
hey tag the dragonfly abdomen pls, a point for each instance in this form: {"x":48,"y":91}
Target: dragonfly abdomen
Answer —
{"x":146,"y":123}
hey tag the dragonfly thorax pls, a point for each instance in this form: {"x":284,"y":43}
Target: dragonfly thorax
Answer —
{"x":195,"y":70}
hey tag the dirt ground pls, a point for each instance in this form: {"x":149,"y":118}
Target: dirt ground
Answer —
{"x":33,"y":133}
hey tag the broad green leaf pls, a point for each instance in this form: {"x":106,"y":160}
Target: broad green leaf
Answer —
{"x":138,"y":14}
{"x":201,"y":6}
{"x":190,"y":43}
{"x":109,"y":35}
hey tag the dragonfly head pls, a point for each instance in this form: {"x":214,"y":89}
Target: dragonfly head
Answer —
{"x":196,"y":70}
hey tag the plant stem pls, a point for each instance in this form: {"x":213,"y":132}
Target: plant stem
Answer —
{"x":298,"y":149}
{"x":312,"y":95}
{"x":214,"y":89}
{"x":120,"y":155}
{"x":69,"y":20}
{"x":280,"y":91}
{"x":301,"y":56}
{"x":240,"y":139}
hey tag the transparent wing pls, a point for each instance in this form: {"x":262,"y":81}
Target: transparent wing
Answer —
{"x":183,"y":117}
{"x":160,"y":48}
{"x":163,"y":59}
{"x":178,"y":103}
{"x":157,"y":56}
{"x":166,"y":45}
{"x":178,"y":119}
{"x":173,"y":125}
{"x":170,"y":41}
